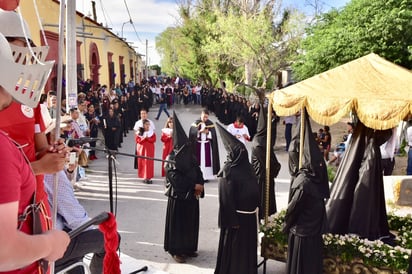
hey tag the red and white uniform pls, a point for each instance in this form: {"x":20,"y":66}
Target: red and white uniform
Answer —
{"x":239,"y":131}
{"x":145,"y":147}
{"x":167,"y":140}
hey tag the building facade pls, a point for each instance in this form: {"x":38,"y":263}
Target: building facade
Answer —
{"x":102,"y":56}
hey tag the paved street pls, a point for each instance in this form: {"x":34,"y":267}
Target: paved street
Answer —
{"x":141,"y":208}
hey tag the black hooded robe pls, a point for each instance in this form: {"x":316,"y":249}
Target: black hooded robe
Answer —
{"x":304,"y":220}
{"x":357,"y":201}
{"x":305,"y":217}
{"x":238,"y":202}
{"x":258,"y":160}
{"x":182,"y":214}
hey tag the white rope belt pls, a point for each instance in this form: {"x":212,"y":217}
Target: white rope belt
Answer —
{"x":256,"y":212}
{"x":248,"y":212}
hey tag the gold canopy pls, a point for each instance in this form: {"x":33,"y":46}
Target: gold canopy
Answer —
{"x":379,"y":91}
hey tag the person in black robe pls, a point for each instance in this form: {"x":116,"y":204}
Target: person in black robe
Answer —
{"x":184,"y":187}
{"x":305,"y":217}
{"x":258,"y":160}
{"x":357,"y":203}
{"x":238,"y":206}
{"x":111,"y":129}
{"x":193,"y":137}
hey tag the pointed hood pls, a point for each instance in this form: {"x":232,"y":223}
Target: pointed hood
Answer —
{"x":259,"y":139}
{"x":313,"y":164}
{"x":183,"y":153}
{"x":237,"y":154}
{"x":313,"y":160}
{"x":179,"y":135}
{"x":261,"y":126}
{"x":230,"y":142}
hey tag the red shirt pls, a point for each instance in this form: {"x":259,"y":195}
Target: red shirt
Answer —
{"x":21,"y":123}
{"x":17,"y":184}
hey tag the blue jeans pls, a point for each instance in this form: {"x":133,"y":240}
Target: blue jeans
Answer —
{"x":163,"y":107}
{"x":409,"y":167}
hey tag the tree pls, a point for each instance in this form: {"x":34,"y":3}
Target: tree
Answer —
{"x":245,"y":42}
{"x":361,"y":27}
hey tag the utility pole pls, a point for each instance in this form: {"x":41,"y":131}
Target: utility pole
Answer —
{"x":147,"y":59}
{"x":71,"y":59}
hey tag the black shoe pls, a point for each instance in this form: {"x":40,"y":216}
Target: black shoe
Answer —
{"x":193,"y":255}
{"x":120,"y":145}
{"x":178,"y":258}
{"x":157,"y":119}
{"x":147,"y":181}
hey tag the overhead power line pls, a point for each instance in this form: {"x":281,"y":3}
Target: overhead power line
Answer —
{"x":132,"y":23}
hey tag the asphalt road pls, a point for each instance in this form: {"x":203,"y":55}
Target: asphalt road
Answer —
{"x":140,"y":209}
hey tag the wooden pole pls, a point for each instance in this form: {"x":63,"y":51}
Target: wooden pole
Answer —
{"x":268,"y":153}
{"x":302,"y":136}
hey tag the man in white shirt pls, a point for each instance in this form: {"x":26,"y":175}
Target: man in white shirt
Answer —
{"x":239,"y":130}
{"x":388,"y":153}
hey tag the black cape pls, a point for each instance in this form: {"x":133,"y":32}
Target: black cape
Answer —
{"x":182,"y":214}
{"x":238,"y":202}
{"x":215,"y":150}
{"x":305,"y":217}
{"x":258,"y":159}
{"x":357,"y":202}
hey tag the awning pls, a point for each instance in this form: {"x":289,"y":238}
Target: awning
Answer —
{"x":380,"y":92}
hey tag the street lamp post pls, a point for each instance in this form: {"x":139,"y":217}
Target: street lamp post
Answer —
{"x":130,"y":21}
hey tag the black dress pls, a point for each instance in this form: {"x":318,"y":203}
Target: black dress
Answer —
{"x":182,"y":214}
{"x":258,"y":160}
{"x":111,"y":135}
{"x":304,"y":220}
{"x":238,"y":202}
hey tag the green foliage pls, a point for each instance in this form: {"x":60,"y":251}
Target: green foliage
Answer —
{"x":331,"y":173}
{"x":402,"y":151}
{"x":230,"y":41}
{"x":363,"y":26}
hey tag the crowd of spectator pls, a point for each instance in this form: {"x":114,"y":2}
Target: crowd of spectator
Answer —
{"x":114,"y":111}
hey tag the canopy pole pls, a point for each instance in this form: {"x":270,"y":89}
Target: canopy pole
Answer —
{"x":302,"y":135}
{"x":268,"y":153}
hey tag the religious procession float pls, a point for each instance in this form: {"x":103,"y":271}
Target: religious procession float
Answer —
{"x":359,"y":235}
{"x":348,"y":253}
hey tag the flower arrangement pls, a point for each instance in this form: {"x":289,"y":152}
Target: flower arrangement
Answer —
{"x":351,"y":247}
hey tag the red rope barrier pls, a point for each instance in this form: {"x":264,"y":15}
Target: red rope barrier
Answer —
{"x":111,"y":262}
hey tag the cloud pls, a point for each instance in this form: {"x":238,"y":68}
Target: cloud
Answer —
{"x":149,"y":17}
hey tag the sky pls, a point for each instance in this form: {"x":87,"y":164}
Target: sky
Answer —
{"x":151,"y":17}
